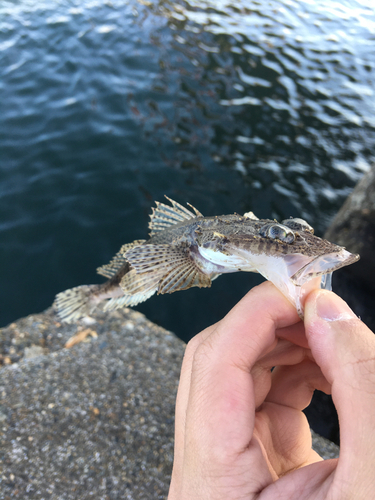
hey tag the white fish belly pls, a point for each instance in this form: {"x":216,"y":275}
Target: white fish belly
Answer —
{"x":277,"y":269}
{"x":220,"y":262}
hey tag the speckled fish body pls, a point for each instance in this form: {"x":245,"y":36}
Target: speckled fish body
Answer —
{"x":186,"y":249}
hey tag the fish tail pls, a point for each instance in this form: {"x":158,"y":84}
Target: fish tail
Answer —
{"x":77,"y":302}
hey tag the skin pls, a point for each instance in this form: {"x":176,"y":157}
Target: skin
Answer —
{"x":240,"y":432}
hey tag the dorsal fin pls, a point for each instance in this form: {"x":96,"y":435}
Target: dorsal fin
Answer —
{"x":110,"y":269}
{"x":164,"y":216}
{"x":197,"y":212}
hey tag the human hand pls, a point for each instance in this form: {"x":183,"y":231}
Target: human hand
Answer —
{"x":240,"y":431}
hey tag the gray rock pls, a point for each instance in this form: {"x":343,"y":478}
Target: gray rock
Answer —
{"x":33,"y":351}
{"x":324,"y":447}
{"x":95,"y":420}
{"x":354,"y":228}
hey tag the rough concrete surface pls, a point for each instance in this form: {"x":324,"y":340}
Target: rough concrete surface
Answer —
{"x":95,"y":420}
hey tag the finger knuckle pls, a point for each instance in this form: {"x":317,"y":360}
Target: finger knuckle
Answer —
{"x":192,"y":345}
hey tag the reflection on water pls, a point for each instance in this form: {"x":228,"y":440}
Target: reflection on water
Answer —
{"x":286,"y":89}
{"x":232,"y":106}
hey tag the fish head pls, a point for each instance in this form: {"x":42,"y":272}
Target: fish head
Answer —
{"x":297,"y":261}
{"x":286,"y":253}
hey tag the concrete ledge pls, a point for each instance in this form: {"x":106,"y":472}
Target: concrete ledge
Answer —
{"x":95,"y":420}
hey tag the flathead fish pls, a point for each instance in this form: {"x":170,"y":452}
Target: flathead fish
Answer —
{"x":186,"y":249}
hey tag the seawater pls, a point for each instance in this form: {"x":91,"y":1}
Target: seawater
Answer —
{"x":229,"y":105}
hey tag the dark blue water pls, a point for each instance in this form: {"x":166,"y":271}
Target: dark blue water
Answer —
{"x":232,"y":106}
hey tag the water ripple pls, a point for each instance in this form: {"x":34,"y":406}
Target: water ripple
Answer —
{"x":231,"y":105}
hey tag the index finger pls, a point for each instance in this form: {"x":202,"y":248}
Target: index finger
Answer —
{"x":221,"y":399}
{"x":248,"y":331}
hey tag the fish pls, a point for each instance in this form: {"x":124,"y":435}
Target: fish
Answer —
{"x":186,"y":249}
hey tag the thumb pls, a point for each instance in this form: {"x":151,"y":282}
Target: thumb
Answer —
{"x":344,"y":348}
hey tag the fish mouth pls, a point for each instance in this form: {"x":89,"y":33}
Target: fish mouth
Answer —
{"x":317,"y":273}
{"x":296,"y":275}
{"x":322,"y":265}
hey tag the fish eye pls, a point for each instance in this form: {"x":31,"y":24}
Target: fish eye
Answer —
{"x":298,"y":225}
{"x":277,"y":232}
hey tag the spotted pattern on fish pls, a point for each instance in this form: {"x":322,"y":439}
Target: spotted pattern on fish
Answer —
{"x":186,"y":249}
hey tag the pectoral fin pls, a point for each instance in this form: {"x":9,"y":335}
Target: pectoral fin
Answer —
{"x":182,"y":278}
{"x":162,"y":268}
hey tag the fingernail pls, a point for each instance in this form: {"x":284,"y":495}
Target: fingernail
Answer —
{"x":330,"y":307}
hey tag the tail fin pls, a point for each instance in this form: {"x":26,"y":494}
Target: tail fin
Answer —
{"x":75,"y":303}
